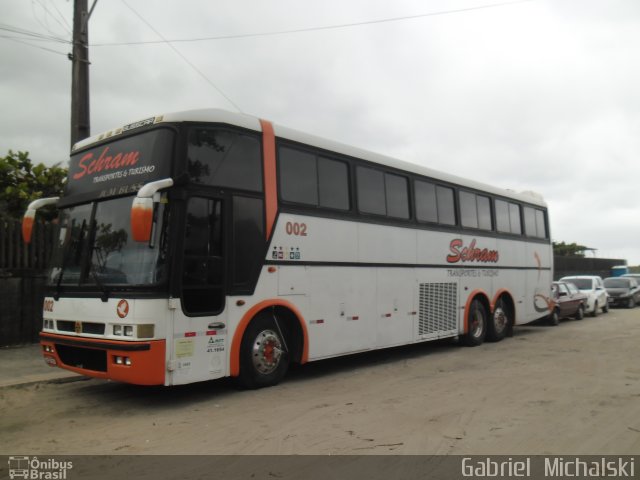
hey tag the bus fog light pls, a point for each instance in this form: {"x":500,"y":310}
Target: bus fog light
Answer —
{"x":117,"y":330}
{"x":128,"y":330}
{"x":127,"y":361}
{"x":119,"y":361}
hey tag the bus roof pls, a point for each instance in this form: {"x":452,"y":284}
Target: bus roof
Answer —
{"x":253,"y":123}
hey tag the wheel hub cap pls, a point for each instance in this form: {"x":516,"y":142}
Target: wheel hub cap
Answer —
{"x":267,"y":352}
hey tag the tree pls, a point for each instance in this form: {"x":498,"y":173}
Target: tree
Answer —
{"x":563,"y":249}
{"x":21,"y":182}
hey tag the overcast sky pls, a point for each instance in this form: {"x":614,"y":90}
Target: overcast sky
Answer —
{"x":539,"y":95}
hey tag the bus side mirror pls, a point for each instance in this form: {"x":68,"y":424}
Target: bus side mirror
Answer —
{"x":142,"y":219}
{"x":30,"y":216}
{"x":142,"y":209}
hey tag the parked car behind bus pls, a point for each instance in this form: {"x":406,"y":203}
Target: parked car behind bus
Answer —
{"x":633,"y":275}
{"x":570,"y":302}
{"x":623,"y":291}
{"x":593,"y":287}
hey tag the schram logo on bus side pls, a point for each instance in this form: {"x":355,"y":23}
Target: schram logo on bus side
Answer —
{"x":460,"y":253}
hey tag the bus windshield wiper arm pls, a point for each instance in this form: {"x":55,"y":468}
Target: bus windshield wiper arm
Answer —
{"x":101,"y":286}
{"x":65,"y":258}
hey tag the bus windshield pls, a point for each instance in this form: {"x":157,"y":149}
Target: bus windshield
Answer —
{"x":95,"y":247}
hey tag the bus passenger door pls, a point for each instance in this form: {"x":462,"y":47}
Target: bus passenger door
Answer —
{"x":200,"y":330}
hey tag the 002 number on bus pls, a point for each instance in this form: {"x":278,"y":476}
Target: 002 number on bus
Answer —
{"x":296,"y":229}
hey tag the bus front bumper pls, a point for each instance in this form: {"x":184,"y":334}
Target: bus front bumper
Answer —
{"x":140,"y":363}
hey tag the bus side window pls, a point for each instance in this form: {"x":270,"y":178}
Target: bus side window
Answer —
{"x":248,"y":244}
{"x":203,"y":272}
{"x":224,"y":158}
{"x":534,"y":223}
{"x":475,"y":211}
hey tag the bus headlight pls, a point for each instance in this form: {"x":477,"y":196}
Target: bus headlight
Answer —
{"x":117,"y":330}
{"x":146,"y":331}
{"x":128,"y":330}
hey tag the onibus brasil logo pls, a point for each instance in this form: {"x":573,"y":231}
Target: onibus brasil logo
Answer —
{"x":35,"y":469}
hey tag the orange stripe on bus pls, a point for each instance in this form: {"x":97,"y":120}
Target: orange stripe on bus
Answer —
{"x":270,"y":185}
{"x":234,"y":368}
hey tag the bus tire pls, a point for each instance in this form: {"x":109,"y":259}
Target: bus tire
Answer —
{"x":477,"y":322}
{"x":499,"y":322}
{"x":264,"y":359}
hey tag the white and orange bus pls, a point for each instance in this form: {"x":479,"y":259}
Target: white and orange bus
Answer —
{"x":206,"y":244}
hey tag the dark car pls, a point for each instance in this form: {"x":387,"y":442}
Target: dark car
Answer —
{"x":570,"y":302}
{"x":632,"y":275}
{"x":623,"y":291}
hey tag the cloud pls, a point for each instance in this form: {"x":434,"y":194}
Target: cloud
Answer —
{"x":538,"y":95}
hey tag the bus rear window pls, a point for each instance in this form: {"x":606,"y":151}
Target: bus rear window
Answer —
{"x":534,"y":223}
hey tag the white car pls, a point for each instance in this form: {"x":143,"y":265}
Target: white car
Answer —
{"x":593,"y":287}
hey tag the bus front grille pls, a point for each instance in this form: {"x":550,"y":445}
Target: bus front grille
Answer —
{"x":438,"y":312}
{"x":86,"y":358}
{"x":85,"y":327}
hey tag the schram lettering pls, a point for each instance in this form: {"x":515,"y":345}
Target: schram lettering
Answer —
{"x":459,"y":253}
{"x":88,"y":164}
{"x":561,"y":467}
{"x":492,"y":468}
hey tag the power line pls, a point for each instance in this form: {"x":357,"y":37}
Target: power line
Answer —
{"x":314,"y":29}
{"x":66,"y":25}
{"x":17,"y":40}
{"x":186,"y":60}
{"x":48,"y":13}
{"x":33,"y":35}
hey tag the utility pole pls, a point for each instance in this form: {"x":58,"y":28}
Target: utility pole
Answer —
{"x":80,"y":122}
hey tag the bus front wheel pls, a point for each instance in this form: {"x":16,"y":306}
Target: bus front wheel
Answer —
{"x":264,"y":358}
{"x":477,"y":322}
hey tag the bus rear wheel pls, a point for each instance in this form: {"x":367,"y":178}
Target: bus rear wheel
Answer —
{"x":264,"y":359}
{"x":477,"y":322}
{"x":499,"y":323}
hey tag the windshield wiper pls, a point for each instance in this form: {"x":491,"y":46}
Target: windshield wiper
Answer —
{"x":96,"y":278}
{"x":92,"y":271}
{"x":73,"y":247}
